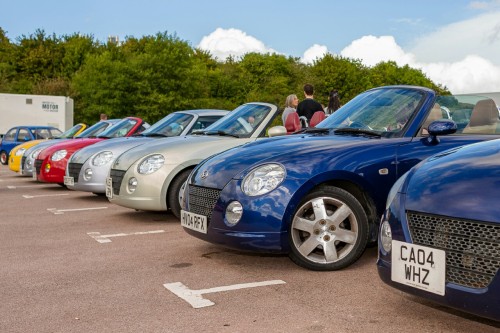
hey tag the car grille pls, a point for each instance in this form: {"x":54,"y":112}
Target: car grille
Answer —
{"x":472,"y":247}
{"x":74,"y":170}
{"x":202,"y":200}
{"x":117,"y":177}
{"x":38,"y":166}
{"x":23,"y":160}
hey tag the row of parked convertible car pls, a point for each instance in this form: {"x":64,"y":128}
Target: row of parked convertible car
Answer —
{"x":400,"y":166}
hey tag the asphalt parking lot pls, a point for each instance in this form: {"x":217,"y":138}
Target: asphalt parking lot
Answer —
{"x":73,"y":262}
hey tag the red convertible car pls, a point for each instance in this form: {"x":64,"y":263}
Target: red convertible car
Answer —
{"x":50,"y":164}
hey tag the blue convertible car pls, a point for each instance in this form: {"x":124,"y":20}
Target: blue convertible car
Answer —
{"x":440,"y":236}
{"x":319,"y":195}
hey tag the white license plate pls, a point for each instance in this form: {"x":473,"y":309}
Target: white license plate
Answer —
{"x":69,"y":181}
{"x":418,"y":266}
{"x":109,"y":187}
{"x":34,"y":175}
{"x":194,"y":221}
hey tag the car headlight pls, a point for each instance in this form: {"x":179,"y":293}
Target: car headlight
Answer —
{"x":59,"y":155}
{"x":263,"y":179}
{"x":234,"y":211}
{"x":102,"y":158}
{"x":20,"y":152}
{"x":395,"y":189}
{"x":35,"y":153}
{"x":87,"y":174}
{"x":386,"y":236}
{"x":151,"y":164}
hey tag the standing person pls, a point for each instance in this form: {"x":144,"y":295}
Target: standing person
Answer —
{"x":104,"y":116}
{"x":291,"y":103}
{"x":308,"y":106}
{"x":333,"y":102}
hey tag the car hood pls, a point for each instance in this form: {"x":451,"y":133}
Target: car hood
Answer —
{"x":302,"y":156}
{"x":70,"y":146}
{"x":462,"y":182}
{"x":180,"y":149}
{"x":116,"y":146}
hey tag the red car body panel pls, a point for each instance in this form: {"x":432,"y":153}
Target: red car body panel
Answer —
{"x":53,"y":171}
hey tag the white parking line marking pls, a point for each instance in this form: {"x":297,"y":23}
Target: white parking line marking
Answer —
{"x":27,"y":196}
{"x":194,"y":297}
{"x":106,"y":238}
{"x":62,"y":211}
{"x":13,"y":187}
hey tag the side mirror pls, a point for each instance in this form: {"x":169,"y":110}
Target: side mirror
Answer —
{"x":276,"y":131}
{"x":440,"y":127}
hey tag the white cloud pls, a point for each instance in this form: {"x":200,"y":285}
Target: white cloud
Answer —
{"x":462,"y":56}
{"x":479,"y":35}
{"x":468,"y":75}
{"x":313,"y":53}
{"x":372,"y":50}
{"x":225,"y":42}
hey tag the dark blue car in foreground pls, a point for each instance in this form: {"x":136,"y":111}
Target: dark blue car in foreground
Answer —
{"x":440,"y":235}
{"x":319,"y":195}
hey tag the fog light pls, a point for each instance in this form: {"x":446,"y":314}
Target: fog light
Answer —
{"x":386,"y":236}
{"x":233,"y":213}
{"x":47,"y":167}
{"x":132,"y":184}
{"x":87,"y":175}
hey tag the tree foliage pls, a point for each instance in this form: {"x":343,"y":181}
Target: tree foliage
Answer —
{"x":153,"y":76}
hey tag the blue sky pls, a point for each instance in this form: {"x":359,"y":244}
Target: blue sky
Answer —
{"x":455,"y":42}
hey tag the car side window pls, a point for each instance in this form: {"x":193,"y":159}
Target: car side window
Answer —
{"x":203,"y":122}
{"x":11,"y":135}
{"x":23,"y":135}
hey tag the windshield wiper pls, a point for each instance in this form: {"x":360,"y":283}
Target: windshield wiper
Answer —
{"x":222,"y":133}
{"x":313,"y":130}
{"x":150,"y":135}
{"x":357,"y":131}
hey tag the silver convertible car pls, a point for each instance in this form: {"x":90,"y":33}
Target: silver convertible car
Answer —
{"x":150,"y":177}
{"x":88,"y":168}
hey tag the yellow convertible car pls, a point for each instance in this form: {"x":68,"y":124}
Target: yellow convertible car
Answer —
{"x":16,"y":154}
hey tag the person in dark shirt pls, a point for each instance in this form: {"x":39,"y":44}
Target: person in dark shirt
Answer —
{"x":308,"y":106}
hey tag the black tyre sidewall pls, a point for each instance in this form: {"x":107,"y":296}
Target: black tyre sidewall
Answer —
{"x":4,"y":158}
{"x":363,"y":230}
{"x":173,"y":192}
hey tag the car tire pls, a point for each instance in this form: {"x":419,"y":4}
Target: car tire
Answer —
{"x":4,"y":158}
{"x":329,"y":230}
{"x":174,"y":193}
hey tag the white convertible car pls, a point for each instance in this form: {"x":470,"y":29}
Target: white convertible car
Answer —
{"x":150,"y":177}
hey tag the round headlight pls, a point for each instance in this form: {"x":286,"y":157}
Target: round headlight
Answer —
{"x":132,"y":184}
{"x":233,"y":213}
{"x":59,"y":155}
{"x":386,"y":236}
{"x":102,"y":158}
{"x":20,"y":151}
{"x":263,"y":179}
{"x":87,"y":174}
{"x":151,"y":164}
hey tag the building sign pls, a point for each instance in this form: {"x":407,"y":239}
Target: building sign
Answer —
{"x":50,"y":107}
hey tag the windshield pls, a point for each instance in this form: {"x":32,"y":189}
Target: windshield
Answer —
{"x":241,"y":122}
{"x":382,"y":111}
{"x":95,"y":129}
{"x":71,"y":132}
{"x":171,"y":125}
{"x":120,"y":129}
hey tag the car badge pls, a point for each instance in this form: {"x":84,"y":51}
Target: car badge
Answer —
{"x":204,"y":174}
